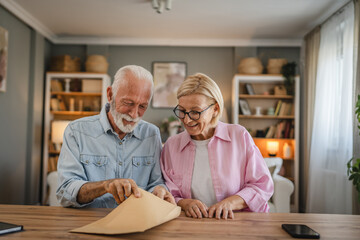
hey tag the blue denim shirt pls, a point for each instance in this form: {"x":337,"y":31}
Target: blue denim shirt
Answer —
{"x":92,"y":151}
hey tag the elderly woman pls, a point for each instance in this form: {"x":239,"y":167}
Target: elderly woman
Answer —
{"x":213,"y":168}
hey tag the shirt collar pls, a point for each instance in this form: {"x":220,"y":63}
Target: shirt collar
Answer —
{"x":107,"y":127}
{"x":221,"y":132}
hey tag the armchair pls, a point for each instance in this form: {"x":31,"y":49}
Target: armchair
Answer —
{"x":283,"y":188}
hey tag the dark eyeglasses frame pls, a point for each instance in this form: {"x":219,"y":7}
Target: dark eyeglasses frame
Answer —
{"x":188,"y":113}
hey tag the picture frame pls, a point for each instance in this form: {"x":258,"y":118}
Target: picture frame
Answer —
{"x":244,"y":107}
{"x":3,"y":58}
{"x":249,"y":89}
{"x":168,"y":77}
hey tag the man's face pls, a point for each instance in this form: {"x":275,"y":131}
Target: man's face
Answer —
{"x":130,"y":103}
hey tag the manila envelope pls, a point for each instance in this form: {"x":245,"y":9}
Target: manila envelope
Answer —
{"x":133,"y":215}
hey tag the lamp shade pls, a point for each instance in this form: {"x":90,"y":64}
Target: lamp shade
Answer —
{"x":272,"y":147}
{"x":57,"y":130}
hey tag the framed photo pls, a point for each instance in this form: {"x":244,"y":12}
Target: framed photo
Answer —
{"x":244,"y":107}
{"x":249,"y":89}
{"x":168,"y":77}
{"x":3,"y":58}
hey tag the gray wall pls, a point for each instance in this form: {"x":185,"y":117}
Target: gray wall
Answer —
{"x":14,"y":111}
{"x":21,"y":113}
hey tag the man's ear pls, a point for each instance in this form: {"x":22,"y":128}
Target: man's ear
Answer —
{"x":109,"y":93}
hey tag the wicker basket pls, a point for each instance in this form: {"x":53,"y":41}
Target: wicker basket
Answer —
{"x":65,"y":63}
{"x":250,"y":66}
{"x":275,"y":64}
{"x":96,"y":64}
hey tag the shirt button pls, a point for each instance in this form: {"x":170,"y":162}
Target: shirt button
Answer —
{"x":120,"y":143}
{"x":98,"y":163}
{"x":120,"y":163}
{"x":148,"y":162}
{"x":87,"y":161}
{"x":138,"y":164}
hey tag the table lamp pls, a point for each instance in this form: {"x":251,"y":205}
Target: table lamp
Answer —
{"x":57,"y":133}
{"x":272,"y":148}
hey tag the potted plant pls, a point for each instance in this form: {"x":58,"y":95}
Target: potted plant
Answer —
{"x":353,"y":166}
{"x":288,"y":71}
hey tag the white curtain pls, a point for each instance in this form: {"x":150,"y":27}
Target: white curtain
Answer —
{"x":332,"y":135}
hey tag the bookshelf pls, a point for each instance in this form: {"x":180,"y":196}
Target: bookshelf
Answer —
{"x":252,"y":97}
{"x":68,"y":96}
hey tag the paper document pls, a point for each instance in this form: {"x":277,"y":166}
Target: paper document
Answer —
{"x":134,"y":215}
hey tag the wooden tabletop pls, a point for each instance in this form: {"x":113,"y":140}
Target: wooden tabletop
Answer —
{"x":43,"y":222}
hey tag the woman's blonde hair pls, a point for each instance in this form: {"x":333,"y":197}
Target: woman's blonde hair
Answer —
{"x":199,"y":83}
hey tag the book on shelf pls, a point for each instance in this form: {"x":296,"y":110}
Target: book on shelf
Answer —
{"x":277,"y":108}
{"x":288,"y":109}
{"x":54,"y":104}
{"x":62,"y":106}
{"x":270,"y":133}
{"x":282,"y":109}
{"x":56,"y":86}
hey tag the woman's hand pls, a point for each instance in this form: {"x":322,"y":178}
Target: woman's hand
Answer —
{"x":225,"y":207}
{"x":193,"y":208}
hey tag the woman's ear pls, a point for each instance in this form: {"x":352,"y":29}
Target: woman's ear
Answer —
{"x":216,"y":110}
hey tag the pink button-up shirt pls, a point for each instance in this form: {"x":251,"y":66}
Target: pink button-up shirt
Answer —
{"x":236,"y":165}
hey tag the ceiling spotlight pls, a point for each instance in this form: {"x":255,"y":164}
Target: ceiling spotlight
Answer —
{"x":160,"y":5}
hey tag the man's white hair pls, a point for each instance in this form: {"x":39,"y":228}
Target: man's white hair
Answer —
{"x":132,"y":70}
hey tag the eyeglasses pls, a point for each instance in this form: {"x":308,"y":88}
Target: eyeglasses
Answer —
{"x":193,"y":115}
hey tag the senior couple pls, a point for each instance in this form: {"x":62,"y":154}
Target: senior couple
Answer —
{"x":209,"y":170}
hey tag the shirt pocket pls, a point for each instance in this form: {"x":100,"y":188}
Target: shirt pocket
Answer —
{"x":141,"y":170}
{"x":96,"y":167}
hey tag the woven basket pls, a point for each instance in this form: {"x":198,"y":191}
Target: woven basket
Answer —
{"x":275,"y":64}
{"x":250,"y":66}
{"x":65,"y":63}
{"x":96,"y":64}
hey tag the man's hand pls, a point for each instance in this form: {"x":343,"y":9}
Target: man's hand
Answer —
{"x":162,"y":193}
{"x":225,"y":207}
{"x":193,"y":208}
{"x":121,"y":187}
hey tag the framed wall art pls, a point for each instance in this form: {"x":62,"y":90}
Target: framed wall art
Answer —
{"x":168,"y":77}
{"x":244,"y":107}
{"x":3,"y":58}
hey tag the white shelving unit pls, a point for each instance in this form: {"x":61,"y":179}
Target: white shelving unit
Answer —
{"x":266,"y":83}
{"x":51,"y":114}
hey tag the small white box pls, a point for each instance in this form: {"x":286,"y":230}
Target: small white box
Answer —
{"x":91,"y":86}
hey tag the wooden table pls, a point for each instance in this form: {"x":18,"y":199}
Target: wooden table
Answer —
{"x":43,"y":222}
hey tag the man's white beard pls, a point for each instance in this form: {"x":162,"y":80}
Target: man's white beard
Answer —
{"x":118,"y":119}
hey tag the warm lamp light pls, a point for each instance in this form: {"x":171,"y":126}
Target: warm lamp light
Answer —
{"x":57,"y":131}
{"x":272,"y":148}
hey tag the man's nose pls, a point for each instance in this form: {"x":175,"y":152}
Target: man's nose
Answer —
{"x":134,"y":112}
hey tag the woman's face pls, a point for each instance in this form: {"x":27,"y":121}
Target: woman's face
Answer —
{"x":200,"y":129}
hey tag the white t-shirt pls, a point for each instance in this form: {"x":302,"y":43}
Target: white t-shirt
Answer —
{"x":202,"y":187}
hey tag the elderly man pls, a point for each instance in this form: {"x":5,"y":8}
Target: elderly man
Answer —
{"x":105,"y":158}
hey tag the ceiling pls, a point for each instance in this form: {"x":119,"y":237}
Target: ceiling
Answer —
{"x":188,"y":23}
